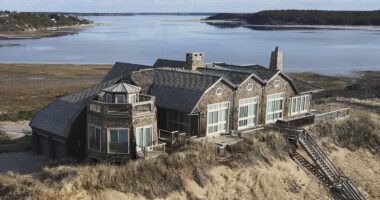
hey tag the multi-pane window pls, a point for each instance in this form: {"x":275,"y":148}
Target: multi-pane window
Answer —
{"x":178,"y":121}
{"x":300,"y":104}
{"x":118,"y":140}
{"x":144,"y":136}
{"x":275,"y":107}
{"x":247,"y":112}
{"x":94,"y":137}
{"x":217,"y":118}
{"x":131,"y":98}
{"x":119,"y":98}
{"x":109,"y":98}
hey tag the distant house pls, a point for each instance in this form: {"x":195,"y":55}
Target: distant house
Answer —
{"x":119,"y":118}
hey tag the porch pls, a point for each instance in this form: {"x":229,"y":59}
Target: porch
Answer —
{"x":151,"y":151}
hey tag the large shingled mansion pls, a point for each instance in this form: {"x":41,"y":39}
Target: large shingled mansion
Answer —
{"x":121,"y":117}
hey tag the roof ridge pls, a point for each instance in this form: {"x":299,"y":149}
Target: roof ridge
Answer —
{"x":185,"y":72}
{"x":225,"y":70}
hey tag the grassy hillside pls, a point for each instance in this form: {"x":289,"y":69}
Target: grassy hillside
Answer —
{"x":14,"y":21}
{"x":304,"y":17}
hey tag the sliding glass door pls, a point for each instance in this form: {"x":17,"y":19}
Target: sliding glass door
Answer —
{"x":247,"y":112}
{"x":144,"y":137}
{"x":275,"y":107}
{"x":217,"y":118}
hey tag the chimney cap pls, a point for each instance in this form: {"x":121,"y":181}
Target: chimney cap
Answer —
{"x":195,"y":53}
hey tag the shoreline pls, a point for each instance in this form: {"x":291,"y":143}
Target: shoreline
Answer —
{"x":279,"y":27}
{"x":44,"y":33}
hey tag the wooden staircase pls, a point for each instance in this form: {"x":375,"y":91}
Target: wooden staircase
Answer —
{"x":340,"y":186}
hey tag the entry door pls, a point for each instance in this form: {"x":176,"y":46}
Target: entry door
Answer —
{"x":143,"y":137}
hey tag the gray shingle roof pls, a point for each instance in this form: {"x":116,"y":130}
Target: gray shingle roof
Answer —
{"x":125,"y":69}
{"x":183,"y":79}
{"x":122,"y":88}
{"x":305,"y":87}
{"x":169,"y":63}
{"x":175,"y":98}
{"x":57,"y":117}
{"x":234,"y":77}
{"x":263,"y":73}
{"x":180,"y":90}
{"x":78,"y":97}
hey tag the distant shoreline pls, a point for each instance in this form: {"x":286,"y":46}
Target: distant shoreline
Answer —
{"x":282,"y":27}
{"x":44,"y":33}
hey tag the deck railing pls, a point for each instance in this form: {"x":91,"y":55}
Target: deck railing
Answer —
{"x":144,"y":106}
{"x":344,"y":112}
{"x":153,"y":150}
{"x":173,"y":139}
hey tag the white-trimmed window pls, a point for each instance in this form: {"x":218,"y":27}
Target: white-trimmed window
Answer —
{"x":275,"y":107}
{"x":119,"y":98}
{"x":118,"y":140}
{"x":217,"y":118}
{"x":131,"y":98}
{"x":299,"y":104}
{"x":144,"y":136}
{"x":109,"y":98}
{"x":94,"y":137}
{"x":247,"y":112}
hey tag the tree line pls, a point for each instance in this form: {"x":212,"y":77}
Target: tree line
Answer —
{"x":22,"y":21}
{"x":303,"y":17}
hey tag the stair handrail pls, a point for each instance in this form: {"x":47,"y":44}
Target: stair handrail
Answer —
{"x":348,"y":186}
{"x":323,"y":156}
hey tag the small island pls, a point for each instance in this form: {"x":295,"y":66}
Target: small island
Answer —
{"x":298,"y":19}
{"x":24,"y":25}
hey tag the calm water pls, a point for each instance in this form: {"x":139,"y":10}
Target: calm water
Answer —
{"x":143,"y":39}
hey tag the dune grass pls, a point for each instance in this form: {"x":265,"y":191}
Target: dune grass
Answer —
{"x":361,"y":130}
{"x":154,"y":178}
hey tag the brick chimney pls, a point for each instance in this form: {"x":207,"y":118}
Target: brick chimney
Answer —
{"x":194,"y":60}
{"x":276,"y":60}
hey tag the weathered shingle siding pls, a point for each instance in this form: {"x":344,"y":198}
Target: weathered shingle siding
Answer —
{"x":285,"y":86}
{"x":242,"y":93}
{"x":107,"y":122}
{"x":210,"y":97}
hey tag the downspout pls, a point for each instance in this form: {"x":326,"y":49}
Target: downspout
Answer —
{"x":233,"y":112}
{"x":263,"y":100}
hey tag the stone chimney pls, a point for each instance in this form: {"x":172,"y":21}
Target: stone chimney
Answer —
{"x":194,"y":60}
{"x":276,"y":60}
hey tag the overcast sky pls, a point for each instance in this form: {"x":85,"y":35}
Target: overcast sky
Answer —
{"x":184,"y":5}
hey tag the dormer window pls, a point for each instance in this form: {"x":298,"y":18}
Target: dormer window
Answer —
{"x":109,"y":98}
{"x":119,"y":98}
